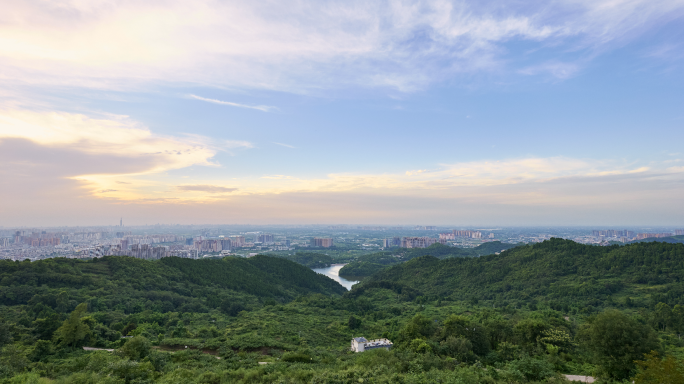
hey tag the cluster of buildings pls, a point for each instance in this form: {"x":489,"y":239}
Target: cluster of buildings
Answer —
{"x":411,"y":242}
{"x":425,"y":241}
{"x":324,"y":242}
{"x":626,"y":236}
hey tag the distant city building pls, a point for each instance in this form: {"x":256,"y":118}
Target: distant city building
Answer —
{"x":287,"y":243}
{"x":237,"y":241}
{"x":4,"y":242}
{"x":641,"y":236}
{"x":491,"y":236}
{"x":37,"y":239}
{"x":419,"y":242}
{"x":265,"y":238}
{"x":391,"y":242}
{"x":468,"y":234}
{"x":612,"y":233}
{"x":679,"y":232}
{"x":210,"y":245}
{"x":324,"y":242}
{"x":447,"y":236}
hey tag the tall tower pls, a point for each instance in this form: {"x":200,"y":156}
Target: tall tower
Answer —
{"x":121,"y":222}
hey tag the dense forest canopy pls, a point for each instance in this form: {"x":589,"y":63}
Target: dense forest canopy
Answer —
{"x":559,"y":272}
{"x":169,"y":284}
{"x":367,"y":265}
{"x":528,"y":315}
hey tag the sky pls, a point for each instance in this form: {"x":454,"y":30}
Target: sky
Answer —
{"x":429,"y":112}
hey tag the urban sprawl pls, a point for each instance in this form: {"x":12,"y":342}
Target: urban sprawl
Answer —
{"x":154,"y":242}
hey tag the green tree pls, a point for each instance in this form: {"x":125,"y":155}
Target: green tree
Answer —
{"x":678,"y":320}
{"x":461,"y":326}
{"x":529,"y":331}
{"x":5,"y":333}
{"x":458,"y":347}
{"x":354,"y":322}
{"x":617,"y":341}
{"x":73,"y":331}
{"x":420,"y":327}
{"x":136,"y":348}
{"x":41,"y":350}
{"x":656,"y":371}
{"x":662,"y":315}
{"x":533,"y":369}
{"x":62,"y":301}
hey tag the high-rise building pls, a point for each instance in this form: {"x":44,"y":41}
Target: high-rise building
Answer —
{"x":324,"y":242}
{"x":679,"y":232}
{"x":469,"y":234}
{"x":391,"y":242}
{"x":420,"y":242}
{"x":265,"y":238}
{"x":641,"y":236}
{"x":237,"y":241}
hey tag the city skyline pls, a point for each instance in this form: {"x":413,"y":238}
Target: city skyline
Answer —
{"x":436,"y":112}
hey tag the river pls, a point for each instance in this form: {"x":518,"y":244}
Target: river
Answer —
{"x":333,"y":272}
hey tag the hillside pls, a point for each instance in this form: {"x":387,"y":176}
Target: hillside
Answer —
{"x":559,"y":272}
{"x":452,"y":320}
{"x":671,"y":239}
{"x":169,"y":284}
{"x":367,"y":265}
{"x":308,"y":259}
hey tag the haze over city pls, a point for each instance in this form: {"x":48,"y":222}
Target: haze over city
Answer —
{"x":385,"y":113}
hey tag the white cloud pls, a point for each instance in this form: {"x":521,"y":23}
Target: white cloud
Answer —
{"x":556,"y":69}
{"x":284,"y":145}
{"x":263,"y":108}
{"x":102,"y":153}
{"x":301,"y":46}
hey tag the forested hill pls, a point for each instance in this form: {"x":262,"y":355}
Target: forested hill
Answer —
{"x":559,"y":272}
{"x":367,"y":265}
{"x":169,"y":284}
{"x":671,"y":239}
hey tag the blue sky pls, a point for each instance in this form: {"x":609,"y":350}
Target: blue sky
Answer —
{"x":389,"y":112}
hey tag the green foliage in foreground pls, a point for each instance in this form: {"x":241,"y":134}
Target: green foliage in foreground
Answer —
{"x":458,"y":337}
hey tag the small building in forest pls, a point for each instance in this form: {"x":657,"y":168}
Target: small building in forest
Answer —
{"x":360,"y":344}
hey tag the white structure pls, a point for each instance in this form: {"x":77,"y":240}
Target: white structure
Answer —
{"x":360,"y":344}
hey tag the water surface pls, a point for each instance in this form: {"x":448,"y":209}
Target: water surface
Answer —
{"x":333,"y":272}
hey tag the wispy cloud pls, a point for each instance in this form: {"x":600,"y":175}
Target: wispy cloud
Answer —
{"x":232,"y":144}
{"x":263,"y":108}
{"x":205,"y":188}
{"x":404,"y":45}
{"x":285,"y":145}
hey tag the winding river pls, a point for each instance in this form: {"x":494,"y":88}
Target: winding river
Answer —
{"x":333,"y":272}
